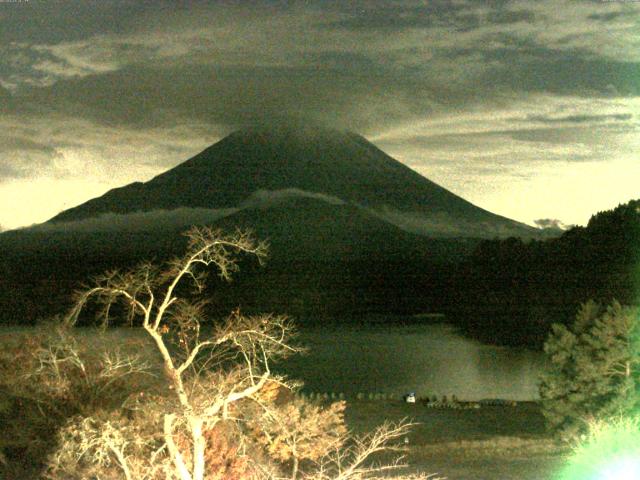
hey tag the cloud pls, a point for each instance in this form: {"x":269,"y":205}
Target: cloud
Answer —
{"x":268,"y":198}
{"x":21,"y":157}
{"x":56,"y":21}
{"x":386,"y":17}
{"x":527,"y":131}
{"x":156,"y":220}
{"x":180,"y":217}
{"x":66,"y":148}
{"x":616,"y":117}
{"x":551,"y":223}
{"x":75,"y":60}
{"x":347,"y":90}
{"x":443,"y":225}
{"x":562,"y":72}
{"x":227,"y":64}
{"x":607,"y":17}
{"x":504,"y":16}
{"x":228,"y":97}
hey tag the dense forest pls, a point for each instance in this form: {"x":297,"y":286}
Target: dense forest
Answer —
{"x":511,"y":291}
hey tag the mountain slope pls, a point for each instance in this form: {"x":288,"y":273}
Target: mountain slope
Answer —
{"x":343,"y":166}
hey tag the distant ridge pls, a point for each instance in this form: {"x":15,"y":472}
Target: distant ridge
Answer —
{"x":312,"y":161}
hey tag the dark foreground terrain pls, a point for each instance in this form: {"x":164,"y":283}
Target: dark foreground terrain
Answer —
{"x":489,"y":443}
{"x":493,"y":442}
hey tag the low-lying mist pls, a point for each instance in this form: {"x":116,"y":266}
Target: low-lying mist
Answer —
{"x":182,"y":217}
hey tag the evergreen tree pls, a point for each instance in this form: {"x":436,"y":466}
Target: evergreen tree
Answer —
{"x":593,"y":368}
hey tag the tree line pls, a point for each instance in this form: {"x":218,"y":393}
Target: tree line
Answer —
{"x":510,"y":291}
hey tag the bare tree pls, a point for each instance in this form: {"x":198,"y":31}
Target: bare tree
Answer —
{"x":300,"y":430}
{"x":150,"y":296}
{"x":216,"y":380}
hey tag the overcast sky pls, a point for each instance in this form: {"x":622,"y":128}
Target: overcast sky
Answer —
{"x":530,"y":109}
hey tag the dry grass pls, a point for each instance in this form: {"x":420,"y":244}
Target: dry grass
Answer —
{"x":507,"y":447}
{"x":490,"y":443}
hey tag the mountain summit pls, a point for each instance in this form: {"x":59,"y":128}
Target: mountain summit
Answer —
{"x":282,"y":162}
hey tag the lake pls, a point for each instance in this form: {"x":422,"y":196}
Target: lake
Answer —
{"x":427,"y":359}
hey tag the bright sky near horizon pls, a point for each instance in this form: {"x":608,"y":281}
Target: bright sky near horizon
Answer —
{"x":528,"y":109}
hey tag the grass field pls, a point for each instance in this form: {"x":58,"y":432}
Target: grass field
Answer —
{"x":490,"y":443}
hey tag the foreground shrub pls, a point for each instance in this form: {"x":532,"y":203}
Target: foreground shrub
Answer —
{"x":594,"y":369}
{"x":48,"y":376}
{"x":609,"y":450}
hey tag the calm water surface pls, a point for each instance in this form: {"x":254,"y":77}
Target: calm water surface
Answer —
{"x":426,"y":359}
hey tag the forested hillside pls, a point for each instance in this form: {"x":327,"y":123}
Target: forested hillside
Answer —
{"x":511,"y":291}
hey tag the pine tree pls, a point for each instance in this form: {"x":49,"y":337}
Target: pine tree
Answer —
{"x":593,"y":368}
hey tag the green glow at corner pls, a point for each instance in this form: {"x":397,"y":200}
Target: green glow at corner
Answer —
{"x":611,"y":451}
{"x":622,"y":469}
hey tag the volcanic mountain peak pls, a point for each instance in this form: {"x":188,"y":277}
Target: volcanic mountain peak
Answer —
{"x":310,"y":160}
